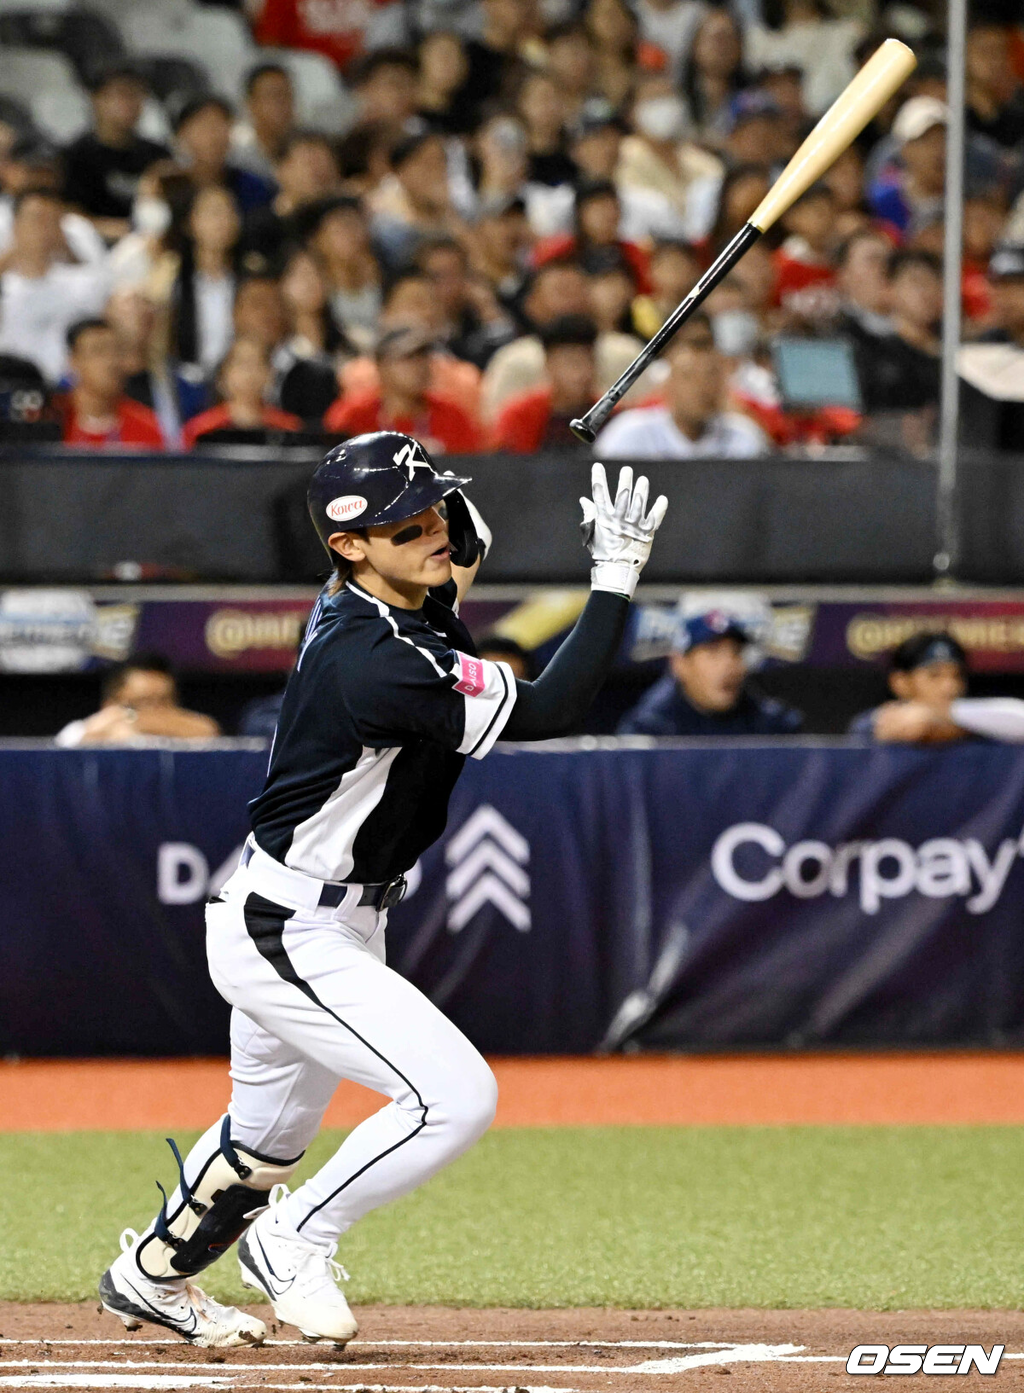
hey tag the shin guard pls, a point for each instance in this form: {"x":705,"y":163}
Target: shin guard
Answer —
{"x":201,"y":1220}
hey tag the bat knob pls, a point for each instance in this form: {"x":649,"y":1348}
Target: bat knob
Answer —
{"x":583,"y":432}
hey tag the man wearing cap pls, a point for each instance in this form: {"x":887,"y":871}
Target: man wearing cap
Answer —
{"x":928,"y":678}
{"x":704,"y":690}
{"x":404,"y":402}
{"x":912,"y":192}
{"x":1006,"y":284}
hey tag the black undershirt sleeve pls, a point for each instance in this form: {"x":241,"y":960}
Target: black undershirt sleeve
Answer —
{"x":559,"y":699}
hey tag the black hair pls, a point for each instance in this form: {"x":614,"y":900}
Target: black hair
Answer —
{"x":576,"y":330}
{"x":915,"y":652}
{"x":263,"y":70}
{"x":355,"y":150}
{"x":309,"y":219}
{"x":306,"y":135}
{"x":80,"y":327}
{"x":184,"y":321}
{"x":114,"y":677}
{"x":733,"y":177}
{"x":690,"y":87}
{"x":197,"y":104}
{"x":587,"y":189}
{"x":819,"y":189}
{"x":674,"y":244}
{"x":860,"y":234}
{"x":390,"y":57}
{"x":908,"y":256}
{"x":410,"y":273}
{"x":335,"y":338}
{"x":568,"y":29}
{"x":36,"y":191}
{"x":439,"y":244}
{"x":113,"y":72}
{"x":773,"y":12}
{"x":411,"y":145}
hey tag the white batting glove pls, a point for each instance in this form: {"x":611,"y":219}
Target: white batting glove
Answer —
{"x":619,"y":535}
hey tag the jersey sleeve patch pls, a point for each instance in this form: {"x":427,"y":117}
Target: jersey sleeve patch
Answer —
{"x":472,"y":681}
{"x":488,"y":706}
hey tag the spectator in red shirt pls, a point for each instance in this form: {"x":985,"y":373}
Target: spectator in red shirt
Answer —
{"x":804,"y":259}
{"x":540,"y":418}
{"x":598,"y":214}
{"x":96,"y":411}
{"x":337,"y":28}
{"x":244,"y":380}
{"x":404,"y":402}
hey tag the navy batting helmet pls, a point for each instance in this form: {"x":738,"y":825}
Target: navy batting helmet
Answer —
{"x":374,"y":479}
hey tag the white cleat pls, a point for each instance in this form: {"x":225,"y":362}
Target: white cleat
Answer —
{"x":128,"y":1293}
{"x":299,"y":1279}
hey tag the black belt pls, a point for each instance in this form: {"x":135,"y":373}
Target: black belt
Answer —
{"x":384,"y":895}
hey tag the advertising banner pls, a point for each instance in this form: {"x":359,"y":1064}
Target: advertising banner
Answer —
{"x":234,"y":630}
{"x":586,"y":895}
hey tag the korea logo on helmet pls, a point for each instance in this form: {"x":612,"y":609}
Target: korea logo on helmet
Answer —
{"x":344,"y":509}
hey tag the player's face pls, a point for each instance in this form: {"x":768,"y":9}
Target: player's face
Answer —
{"x":711,"y":675}
{"x":935,"y":684}
{"x":409,"y":556}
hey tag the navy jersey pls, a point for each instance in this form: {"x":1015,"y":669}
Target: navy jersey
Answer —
{"x":664,"y":710}
{"x":378,"y":717}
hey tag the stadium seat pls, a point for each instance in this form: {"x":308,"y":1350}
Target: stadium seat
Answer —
{"x":217,"y":38}
{"x":54,"y":6}
{"x":116,"y":9}
{"x":88,"y":39}
{"x":174,"y":79}
{"x":321,"y":99}
{"x":48,"y":85}
{"x":16,"y":115}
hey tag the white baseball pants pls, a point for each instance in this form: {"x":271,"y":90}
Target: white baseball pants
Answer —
{"x":314,"y":1003}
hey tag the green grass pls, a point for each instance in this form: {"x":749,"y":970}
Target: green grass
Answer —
{"x":785,"y":1217}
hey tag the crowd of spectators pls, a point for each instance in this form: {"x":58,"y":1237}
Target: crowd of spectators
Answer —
{"x":527,"y":189}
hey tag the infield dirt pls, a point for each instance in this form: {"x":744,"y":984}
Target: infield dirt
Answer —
{"x":425,"y":1347}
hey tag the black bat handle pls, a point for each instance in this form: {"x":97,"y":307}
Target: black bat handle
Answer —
{"x":587,"y":427}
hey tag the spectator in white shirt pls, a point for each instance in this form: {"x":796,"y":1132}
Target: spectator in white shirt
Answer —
{"x":41,"y":295}
{"x":32,"y":163}
{"x":692,"y":424}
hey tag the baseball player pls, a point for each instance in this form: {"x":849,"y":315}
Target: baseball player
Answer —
{"x":386,"y":701}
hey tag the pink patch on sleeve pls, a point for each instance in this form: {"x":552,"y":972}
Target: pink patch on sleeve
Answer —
{"x":471,"y":675}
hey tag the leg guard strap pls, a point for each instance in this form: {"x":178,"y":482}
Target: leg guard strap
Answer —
{"x":202,"y":1220}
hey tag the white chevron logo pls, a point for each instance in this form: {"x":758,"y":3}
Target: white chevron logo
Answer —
{"x":487,"y":856}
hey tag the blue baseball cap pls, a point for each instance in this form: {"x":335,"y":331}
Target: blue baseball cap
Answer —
{"x":706,"y":628}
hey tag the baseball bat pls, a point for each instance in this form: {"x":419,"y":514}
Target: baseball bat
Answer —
{"x":884,"y":72}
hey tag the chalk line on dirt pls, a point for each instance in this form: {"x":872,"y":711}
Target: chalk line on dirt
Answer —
{"x":423,"y":1344}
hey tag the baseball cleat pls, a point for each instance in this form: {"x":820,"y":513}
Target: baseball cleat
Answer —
{"x":128,"y":1293}
{"x":298,"y":1278}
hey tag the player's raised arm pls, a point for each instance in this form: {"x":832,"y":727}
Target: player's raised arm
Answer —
{"x":619,"y":535}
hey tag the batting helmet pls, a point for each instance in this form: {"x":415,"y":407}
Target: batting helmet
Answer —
{"x":374,"y":479}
